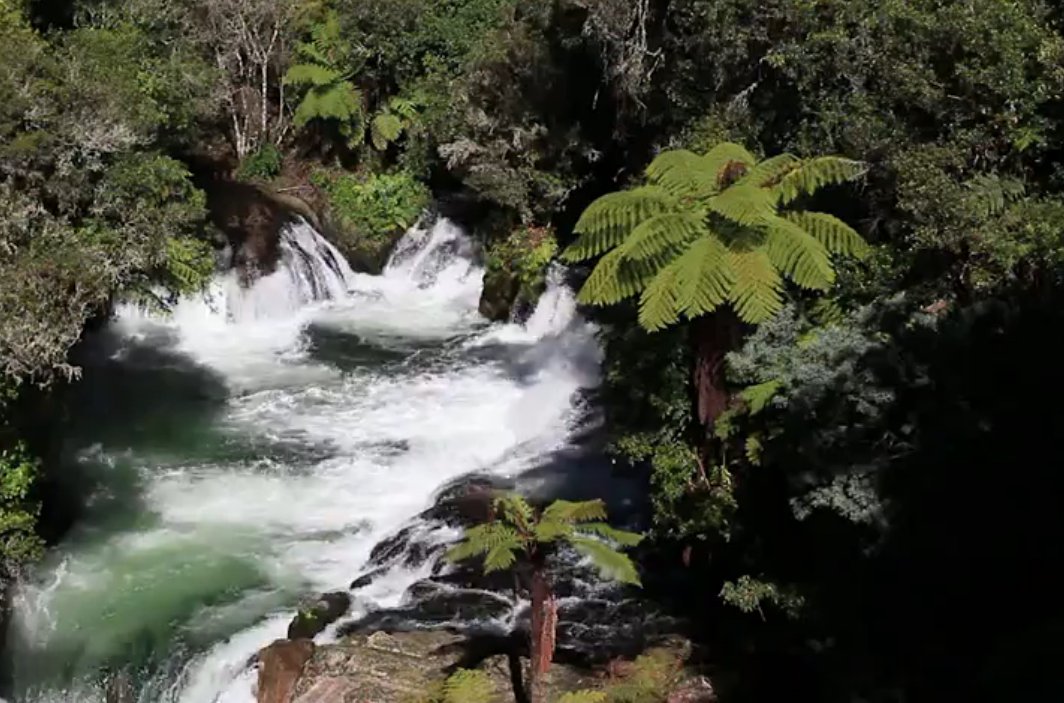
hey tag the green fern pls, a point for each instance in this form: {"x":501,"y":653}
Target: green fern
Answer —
{"x":518,"y":530}
{"x":468,"y":686}
{"x":583,"y":697}
{"x":709,"y":230}
{"x":328,"y":95}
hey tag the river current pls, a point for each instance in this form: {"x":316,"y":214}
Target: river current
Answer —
{"x":250,"y":449}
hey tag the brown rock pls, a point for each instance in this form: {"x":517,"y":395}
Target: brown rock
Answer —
{"x":280,"y":667}
{"x":328,"y":690}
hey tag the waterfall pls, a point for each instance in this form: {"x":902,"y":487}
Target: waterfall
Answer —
{"x":255,"y":445}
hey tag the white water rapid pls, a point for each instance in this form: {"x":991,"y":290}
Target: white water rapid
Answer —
{"x":252,"y":448}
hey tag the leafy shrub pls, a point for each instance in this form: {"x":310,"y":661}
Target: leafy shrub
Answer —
{"x":19,"y":542}
{"x":525,"y":255}
{"x":376,"y":207}
{"x":651,"y":678}
{"x":263,"y":164}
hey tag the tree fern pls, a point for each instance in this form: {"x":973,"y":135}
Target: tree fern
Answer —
{"x":518,"y":531}
{"x":708,"y":230}
{"x":468,"y":686}
{"x":328,"y":93}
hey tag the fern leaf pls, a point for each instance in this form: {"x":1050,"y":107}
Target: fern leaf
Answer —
{"x":836,"y":236}
{"x":311,"y":74}
{"x":756,"y":293}
{"x":705,"y":277}
{"x":583,"y":697}
{"x":611,"y":564}
{"x":660,"y":304}
{"x":339,"y":102}
{"x":743,"y":204}
{"x":612,"y":534}
{"x":571,"y":512}
{"x":682,"y":174}
{"x":515,"y":509}
{"x":663,"y":234}
{"x":759,"y":396}
{"x":991,"y":194}
{"x":468,"y":686}
{"x":404,"y":107}
{"x":548,"y":530}
{"x":725,"y":154}
{"x":768,"y":173}
{"x":752,"y":448}
{"x":384,"y":130}
{"x":481,"y":539}
{"x":500,"y":558}
{"x":608,"y":220}
{"x":615,"y":279}
{"x":798,"y":255}
{"x":815,"y":174}
{"x":312,"y":52}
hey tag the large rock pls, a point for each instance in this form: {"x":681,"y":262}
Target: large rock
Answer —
{"x":280,"y":668}
{"x":310,"y":621}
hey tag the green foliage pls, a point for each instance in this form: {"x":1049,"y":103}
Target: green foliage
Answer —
{"x":523,"y":257}
{"x":707,"y":230}
{"x":19,"y":542}
{"x":398,"y":116}
{"x":749,"y":595}
{"x":328,"y":93}
{"x":376,"y":207}
{"x":263,"y":164}
{"x":583,"y":697}
{"x":463,"y":686}
{"x":651,"y":679}
{"x":518,"y":530}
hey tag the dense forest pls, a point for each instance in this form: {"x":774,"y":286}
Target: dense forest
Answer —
{"x":822,"y":241}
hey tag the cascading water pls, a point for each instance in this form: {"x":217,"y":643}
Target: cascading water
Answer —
{"x":252,"y":449}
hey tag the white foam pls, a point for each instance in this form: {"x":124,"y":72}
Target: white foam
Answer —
{"x":388,"y":439}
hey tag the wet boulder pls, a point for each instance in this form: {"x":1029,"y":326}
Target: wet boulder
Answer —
{"x":326,"y":610}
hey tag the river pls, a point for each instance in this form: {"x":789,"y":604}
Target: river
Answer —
{"x":251,"y":448}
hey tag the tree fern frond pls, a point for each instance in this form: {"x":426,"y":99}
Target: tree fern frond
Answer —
{"x":615,"y":279}
{"x":759,"y":396}
{"x":312,"y":74}
{"x":836,"y":236}
{"x":468,"y":686}
{"x":481,"y":539}
{"x":768,"y":173}
{"x":608,"y":220}
{"x":548,"y":530}
{"x":815,"y":174}
{"x":501,"y":557}
{"x":682,"y":173}
{"x":514,"y":508}
{"x":339,"y":102}
{"x":991,"y":193}
{"x":583,"y":697}
{"x":719,"y":158}
{"x":313,"y":52}
{"x":610,"y":563}
{"x":705,"y":277}
{"x":755,"y":294}
{"x":581,"y":511}
{"x":385,"y":129}
{"x":798,"y":255}
{"x":659,"y":304}
{"x":662,"y":234}
{"x":612,"y":534}
{"x":743,"y":204}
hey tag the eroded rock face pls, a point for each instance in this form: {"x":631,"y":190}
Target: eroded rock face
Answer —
{"x":281,"y":667}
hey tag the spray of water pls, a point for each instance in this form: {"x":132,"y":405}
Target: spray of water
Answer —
{"x":335,"y":405}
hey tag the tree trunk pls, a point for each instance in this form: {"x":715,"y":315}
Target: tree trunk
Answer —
{"x":714,"y":335}
{"x":544,"y":622}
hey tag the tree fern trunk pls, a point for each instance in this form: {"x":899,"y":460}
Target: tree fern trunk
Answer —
{"x":544,"y":622}
{"x":714,"y":335}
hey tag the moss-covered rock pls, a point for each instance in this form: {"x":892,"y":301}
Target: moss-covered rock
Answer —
{"x":367,"y":215}
{"x":515,"y":273}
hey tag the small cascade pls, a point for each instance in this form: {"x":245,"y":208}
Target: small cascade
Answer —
{"x":310,"y":269}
